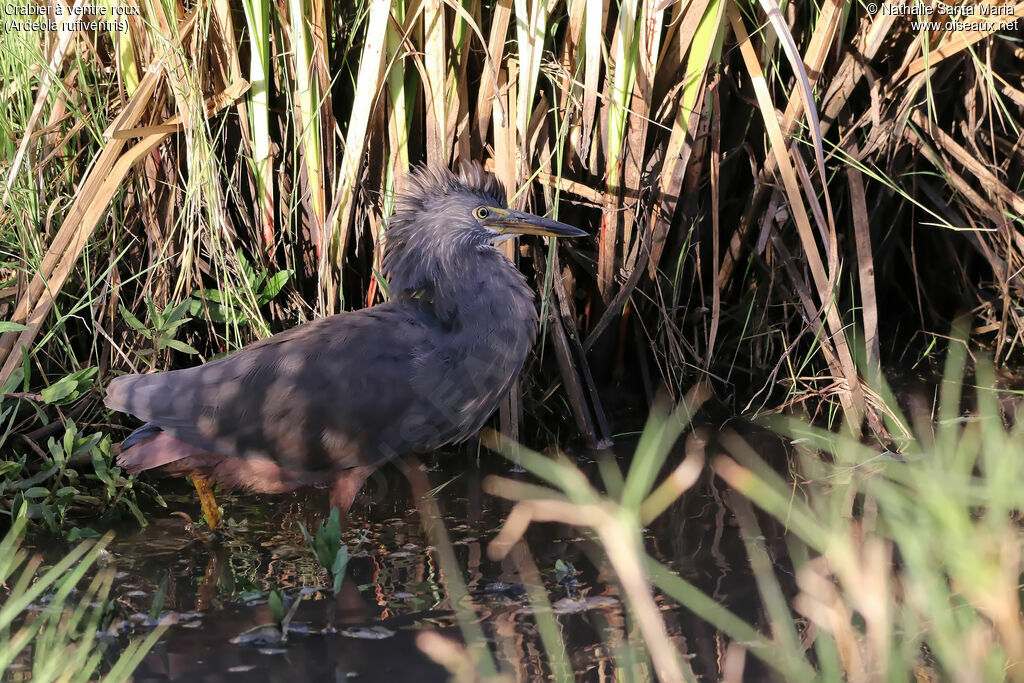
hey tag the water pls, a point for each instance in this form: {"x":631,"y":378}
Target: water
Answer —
{"x":394,"y":589}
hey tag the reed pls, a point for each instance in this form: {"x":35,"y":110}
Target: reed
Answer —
{"x":171,"y":153}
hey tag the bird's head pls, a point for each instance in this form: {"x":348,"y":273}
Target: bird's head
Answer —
{"x":442,"y":220}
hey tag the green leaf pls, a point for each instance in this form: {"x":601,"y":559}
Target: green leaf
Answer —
{"x":99,"y":466}
{"x":159,"y":597}
{"x":177,"y":346}
{"x":274,"y":285}
{"x":59,"y":391}
{"x":7,"y":326}
{"x":82,"y":533}
{"x":13,"y":381}
{"x":172,"y":326}
{"x":226,"y":314}
{"x":247,"y":271}
{"x":211,"y":295}
{"x":56,"y":450}
{"x":154,"y":315}
{"x":218,"y":306}
{"x":173,"y":315}
{"x":70,"y":435}
{"x":70,"y":387}
{"x":329,"y":540}
{"x":339,"y":567}
{"x":132,"y":321}
{"x":326,"y":546}
{"x":26,"y":368}
{"x":86,"y":445}
{"x":276,"y":605}
{"x":382,"y":282}
{"x":37,"y":492}
{"x":51,"y":519}
{"x":38,"y":478}
{"x":9,"y":467}
{"x":19,"y":509}
{"x":134,"y":509}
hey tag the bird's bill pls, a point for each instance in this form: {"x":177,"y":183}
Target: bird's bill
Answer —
{"x":507,"y":222}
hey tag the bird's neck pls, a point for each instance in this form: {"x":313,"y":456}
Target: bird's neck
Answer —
{"x":485,"y":293}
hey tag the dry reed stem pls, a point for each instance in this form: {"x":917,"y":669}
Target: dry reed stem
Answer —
{"x":490,"y":89}
{"x":570,"y":373}
{"x":305,"y":100}
{"x":817,"y":52}
{"x":624,"y":551}
{"x":716,"y":193}
{"x":852,"y":402}
{"x":865,"y":268}
{"x":434,"y":48}
{"x":635,"y":152}
{"x":83,"y":217}
{"x":669,"y":188}
{"x":593,"y":30}
{"x":988,"y":180}
{"x":368,"y":88}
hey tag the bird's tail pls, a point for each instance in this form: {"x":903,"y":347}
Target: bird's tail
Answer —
{"x":148,"y":447}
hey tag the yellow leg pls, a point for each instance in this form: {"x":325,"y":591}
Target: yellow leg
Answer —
{"x":205,"y":490}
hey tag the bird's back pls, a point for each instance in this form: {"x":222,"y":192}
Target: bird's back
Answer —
{"x":353,"y":389}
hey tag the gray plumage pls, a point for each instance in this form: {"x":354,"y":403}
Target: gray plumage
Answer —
{"x":426,"y":368}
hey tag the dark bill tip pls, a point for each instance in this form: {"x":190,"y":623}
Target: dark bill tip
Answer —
{"x":519,"y":223}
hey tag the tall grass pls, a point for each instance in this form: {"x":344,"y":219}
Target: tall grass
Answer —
{"x":274,"y":134}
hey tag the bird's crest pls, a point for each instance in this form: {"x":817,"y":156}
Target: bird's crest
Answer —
{"x":433,"y":181}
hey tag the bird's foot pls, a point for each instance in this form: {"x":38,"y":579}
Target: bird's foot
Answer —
{"x":193,"y":531}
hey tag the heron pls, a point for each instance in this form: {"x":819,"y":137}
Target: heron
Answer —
{"x":328,"y":402}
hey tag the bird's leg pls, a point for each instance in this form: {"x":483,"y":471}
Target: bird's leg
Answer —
{"x":346,"y":487}
{"x":205,"y":490}
{"x":211,"y":578}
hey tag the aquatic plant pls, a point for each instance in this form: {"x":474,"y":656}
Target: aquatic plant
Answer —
{"x":51,"y":618}
{"x":328,"y":549}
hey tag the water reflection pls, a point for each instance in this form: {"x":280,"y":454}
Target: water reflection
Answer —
{"x":394,"y":587}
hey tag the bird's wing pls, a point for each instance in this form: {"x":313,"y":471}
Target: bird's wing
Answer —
{"x":336,"y":392}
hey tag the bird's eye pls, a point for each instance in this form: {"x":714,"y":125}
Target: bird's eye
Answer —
{"x":482,"y":212}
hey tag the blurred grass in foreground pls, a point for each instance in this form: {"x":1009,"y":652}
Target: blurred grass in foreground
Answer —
{"x":51,"y":617}
{"x":907,"y":565}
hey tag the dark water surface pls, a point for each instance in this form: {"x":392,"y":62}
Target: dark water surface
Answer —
{"x":394,"y":588}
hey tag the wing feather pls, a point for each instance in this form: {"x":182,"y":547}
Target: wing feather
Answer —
{"x":332,"y":393}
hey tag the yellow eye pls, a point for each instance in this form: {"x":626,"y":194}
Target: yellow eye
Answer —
{"x":482,"y":213}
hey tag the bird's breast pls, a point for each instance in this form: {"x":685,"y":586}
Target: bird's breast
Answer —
{"x":464,"y":378}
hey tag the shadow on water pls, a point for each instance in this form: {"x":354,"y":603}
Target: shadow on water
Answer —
{"x":393,"y":587}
